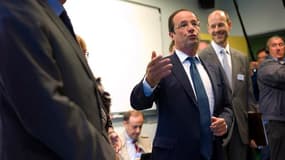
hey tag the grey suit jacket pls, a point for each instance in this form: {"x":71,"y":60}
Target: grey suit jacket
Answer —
{"x":271,"y":82}
{"x":50,"y":105}
{"x":178,"y":128}
{"x":242,"y":95}
{"x":143,"y":142}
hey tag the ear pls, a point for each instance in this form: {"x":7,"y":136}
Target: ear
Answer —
{"x":266,"y":50}
{"x":208,"y":28}
{"x":171,"y":35}
{"x":230,"y":25}
{"x":125,"y":123}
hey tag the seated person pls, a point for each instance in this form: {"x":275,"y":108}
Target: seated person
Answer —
{"x":133,"y":145}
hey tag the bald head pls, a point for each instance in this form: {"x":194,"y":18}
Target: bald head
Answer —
{"x":219,"y":26}
{"x":220,"y":14}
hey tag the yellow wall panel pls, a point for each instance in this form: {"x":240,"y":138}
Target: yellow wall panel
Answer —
{"x":237,"y":42}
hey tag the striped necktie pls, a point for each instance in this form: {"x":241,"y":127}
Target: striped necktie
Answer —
{"x":227,"y":66}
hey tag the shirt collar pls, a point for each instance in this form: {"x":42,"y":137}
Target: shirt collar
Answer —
{"x":183,"y":56}
{"x":56,"y":6}
{"x":218,"y":48}
{"x":128,"y":138}
{"x":268,"y":57}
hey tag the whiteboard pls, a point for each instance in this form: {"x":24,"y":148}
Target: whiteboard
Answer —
{"x":120,"y":37}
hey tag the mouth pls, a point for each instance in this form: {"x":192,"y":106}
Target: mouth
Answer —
{"x":192,"y":37}
{"x":219,"y":34}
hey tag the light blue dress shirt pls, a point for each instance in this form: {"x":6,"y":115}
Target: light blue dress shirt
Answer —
{"x":56,"y":6}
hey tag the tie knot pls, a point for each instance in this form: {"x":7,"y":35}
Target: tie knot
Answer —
{"x":192,"y":59}
{"x":223,"y":51}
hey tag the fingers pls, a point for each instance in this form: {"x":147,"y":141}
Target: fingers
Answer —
{"x":157,"y":69}
{"x":218,"y":126}
{"x":252,"y":144}
{"x":153,"y":54}
{"x":115,"y":141}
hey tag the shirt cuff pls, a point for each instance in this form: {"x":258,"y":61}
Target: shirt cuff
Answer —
{"x":147,"y":88}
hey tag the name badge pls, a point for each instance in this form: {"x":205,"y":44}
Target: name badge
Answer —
{"x":240,"y":77}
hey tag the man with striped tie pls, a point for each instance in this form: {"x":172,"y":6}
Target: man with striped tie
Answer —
{"x":133,"y":144}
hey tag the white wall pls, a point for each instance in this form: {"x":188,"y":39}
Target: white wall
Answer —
{"x":120,"y":37}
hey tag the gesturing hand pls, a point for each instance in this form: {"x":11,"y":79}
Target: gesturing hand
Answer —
{"x":157,"y":69}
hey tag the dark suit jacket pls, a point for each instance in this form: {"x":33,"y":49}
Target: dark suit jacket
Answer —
{"x":50,"y":106}
{"x":271,"y":82}
{"x":178,"y":129}
{"x":242,"y":94}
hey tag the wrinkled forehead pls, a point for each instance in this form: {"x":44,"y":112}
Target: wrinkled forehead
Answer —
{"x":276,"y":40}
{"x":185,"y":16}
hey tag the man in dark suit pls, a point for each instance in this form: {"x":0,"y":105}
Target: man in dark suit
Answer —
{"x":50,"y":104}
{"x":236,"y":66}
{"x":181,"y":131}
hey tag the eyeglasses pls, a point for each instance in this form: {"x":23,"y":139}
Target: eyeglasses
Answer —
{"x":86,"y":54}
{"x":186,"y":24}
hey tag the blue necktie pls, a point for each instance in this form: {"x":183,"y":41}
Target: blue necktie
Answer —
{"x":205,"y":117}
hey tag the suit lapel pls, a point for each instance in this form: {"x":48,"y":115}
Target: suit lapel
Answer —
{"x":77,"y":50}
{"x":68,"y":37}
{"x":235,"y":69}
{"x":182,"y":77}
{"x":211,"y":64}
{"x":211,"y":56}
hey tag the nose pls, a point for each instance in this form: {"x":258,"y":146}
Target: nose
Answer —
{"x":138,"y":130}
{"x":215,"y":28}
{"x":191,"y":29}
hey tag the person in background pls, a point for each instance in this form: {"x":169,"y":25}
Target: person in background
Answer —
{"x":50,"y":106}
{"x":261,"y":55}
{"x":271,"y":83}
{"x":236,"y":66}
{"x":82,"y":45}
{"x":133,"y":143}
{"x":192,"y":97}
{"x":106,"y":97}
{"x":113,"y":135}
{"x":264,"y":151}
